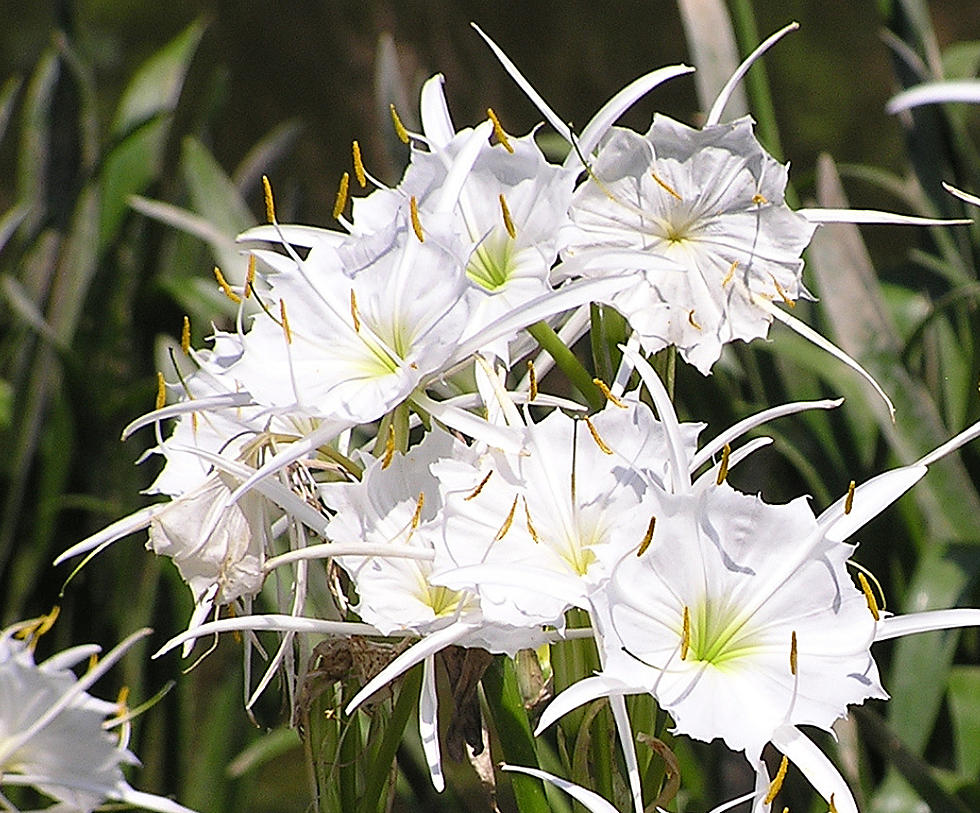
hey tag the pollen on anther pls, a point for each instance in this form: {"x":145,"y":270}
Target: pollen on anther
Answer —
{"x":498,"y":131}
{"x":692,"y":320}
{"x":833,"y":807}
{"x":225,"y":287}
{"x":270,"y":207}
{"x":161,"y":392}
{"x":400,"y":130}
{"x":608,"y":393}
{"x":250,"y":276}
{"x":777,"y":782}
{"x":666,"y":186}
{"x":723,"y":468}
{"x":793,"y":653}
{"x":758,"y":199}
{"x":353,"y":312}
{"x":419,"y":505}
{"x":647,"y":537}
{"x":730,"y":275}
{"x":596,"y":437}
{"x":287,"y":332}
{"x":782,"y":294}
{"x":686,"y":633}
{"x":185,"y":337}
{"x":476,"y":491}
{"x":530,"y":526}
{"x":341,"y":200}
{"x":508,"y":521}
{"x":532,"y":381}
{"x":359,"y":172}
{"x":508,"y":221}
{"x":869,"y":596}
{"x":849,"y":499}
{"x":413,"y":209}
{"x":389,"y":447}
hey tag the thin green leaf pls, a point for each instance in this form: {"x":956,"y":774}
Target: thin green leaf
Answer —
{"x":964,"y":689}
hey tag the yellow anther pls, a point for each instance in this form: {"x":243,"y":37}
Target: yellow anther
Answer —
{"x":285,"y":322}
{"x":758,"y":199}
{"x":692,"y":320}
{"x":664,"y":185}
{"x":161,"y":401}
{"x":225,"y":287}
{"x":36,"y":628}
{"x":417,"y":516}
{"x":341,"y":200}
{"x":782,"y":293}
{"x":194,"y":423}
{"x":507,"y":522}
{"x":250,"y":276}
{"x":93,"y":661}
{"x":595,"y":436}
{"x":533,"y":381}
{"x":730,"y":275}
{"x":353,"y":312}
{"x":686,"y":633}
{"x":869,"y":596}
{"x":723,"y":468}
{"x":530,"y":526}
{"x":508,"y":222}
{"x":498,"y":131}
{"x":185,"y":337}
{"x":413,"y":209}
{"x":121,"y":699}
{"x":849,"y":499}
{"x":359,"y":165}
{"x":400,"y":130}
{"x":777,"y":782}
{"x":476,"y":491}
{"x":604,"y":389}
{"x":270,"y":206}
{"x":389,"y":447}
{"x":647,"y":537}
{"x":833,"y":807}
{"x":793,"y":654}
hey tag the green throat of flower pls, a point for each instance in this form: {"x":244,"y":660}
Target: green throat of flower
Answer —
{"x":491,"y":264}
{"x":711,"y":635}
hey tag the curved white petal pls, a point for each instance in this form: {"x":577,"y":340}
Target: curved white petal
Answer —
{"x":900,"y":625}
{"x":429,"y":723}
{"x":582,"y":691}
{"x":590,"y":799}
{"x":959,"y":193}
{"x":816,"y":767}
{"x":222,"y":401}
{"x":136,"y":521}
{"x":437,"y":124}
{"x":965,"y":90}
{"x":875,"y":217}
{"x":951,"y":445}
{"x":328,"y":550}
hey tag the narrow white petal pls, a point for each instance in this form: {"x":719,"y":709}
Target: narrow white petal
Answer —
{"x":427,"y":646}
{"x":875,"y":217}
{"x":224,"y":401}
{"x":267,"y":623}
{"x":150,"y":801}
{"x":816,"y":767}
{"x":328,"y":550}
{"x":305,"y":236}
{"x":621,"y":716}
{"x":121,"y":527}
{"x":966,"y":90}
{"x":500,"y":437}
{"x":900,"y":625}
{"x":429,"y":723}
{"x":714,"y":115}
{"x":619,"y":104}
{"x":582,"y":691}
{"x":951,"y":445}
{"x":959,"y":193}
{"x":590,"y":799}
{"x":436,"y":121}
{"x":811,"y":335}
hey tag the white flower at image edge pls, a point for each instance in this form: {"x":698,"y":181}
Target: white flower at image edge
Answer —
{"x":52,"y":735}
{"x":700,"y":215}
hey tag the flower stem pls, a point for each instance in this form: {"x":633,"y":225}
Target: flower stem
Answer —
{"x":569,"y":364}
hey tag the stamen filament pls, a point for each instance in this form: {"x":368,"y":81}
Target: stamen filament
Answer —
{"x":400,"y":130}
{"x":777,"y":782}
{"x":359,"y":165}
{"x":476,"y":491}
{"x":498,"y":131}
{"x":341,"y":200}
{"x":723,"y":468}
{"x":508,"y":222}
{"x":647,"y":537}
{"x":225,"y":287}
{"x":604,"y":389}
{"x":595,"y":436}
{"x":270,"y":207}
{"x":413,"y":208}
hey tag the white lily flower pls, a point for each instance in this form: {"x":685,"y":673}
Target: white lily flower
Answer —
{"x":52,"y":731}
{"x":741,"y":619}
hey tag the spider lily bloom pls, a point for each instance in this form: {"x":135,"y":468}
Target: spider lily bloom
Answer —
{"x":53,"y":733}
{"x":741,"y":619}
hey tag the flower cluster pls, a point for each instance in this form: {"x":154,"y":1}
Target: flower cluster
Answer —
{"x":366,"y":410}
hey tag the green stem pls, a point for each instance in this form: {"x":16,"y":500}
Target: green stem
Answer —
{"x":569,"y":364}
